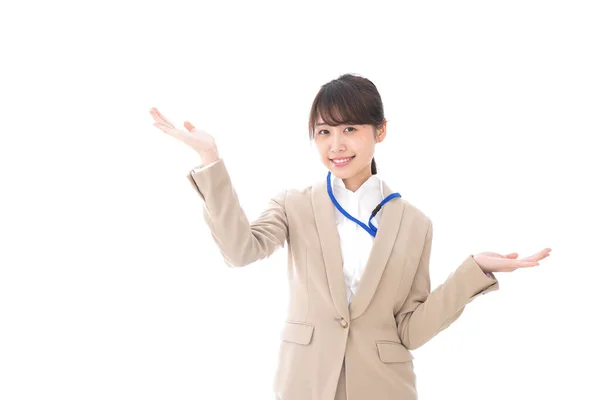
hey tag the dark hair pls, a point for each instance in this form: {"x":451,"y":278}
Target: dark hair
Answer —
{"x":349,"y":99}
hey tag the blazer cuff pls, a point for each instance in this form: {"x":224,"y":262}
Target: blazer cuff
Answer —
{"x":481,"y":282}
{"x":204,"y":166}
{"x":210,"y":177}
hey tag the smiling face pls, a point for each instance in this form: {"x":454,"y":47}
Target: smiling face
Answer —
{"x":356,"y":142}
{"x":346,"y":120}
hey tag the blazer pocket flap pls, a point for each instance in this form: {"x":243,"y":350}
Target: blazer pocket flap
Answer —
{"x":393,"y":352}
{"x":297,"y":332}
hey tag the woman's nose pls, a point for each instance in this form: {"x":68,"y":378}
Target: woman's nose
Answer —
{"x":336,"y":144}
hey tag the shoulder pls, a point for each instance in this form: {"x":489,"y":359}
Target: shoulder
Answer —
{"x":298,"y":195}
{"x":293,"y":196}
{"x":412,"y":213}
{"x":415,"y":213}
{"x":303,"y":191}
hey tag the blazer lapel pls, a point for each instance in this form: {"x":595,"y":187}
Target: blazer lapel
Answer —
{"x":391,"y":215}
{"x":324,"y":212}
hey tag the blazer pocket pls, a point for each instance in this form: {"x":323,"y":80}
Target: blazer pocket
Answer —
{"x":390,"y":352}
{"x":297,"y":332}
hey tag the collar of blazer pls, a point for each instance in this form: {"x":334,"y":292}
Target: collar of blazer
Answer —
{"x":324,"y":212}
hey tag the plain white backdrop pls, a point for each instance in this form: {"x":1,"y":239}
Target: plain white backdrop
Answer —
{"x":110,"y":284}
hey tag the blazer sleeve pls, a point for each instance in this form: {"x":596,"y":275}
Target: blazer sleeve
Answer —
{"x":204,"y":166}
{"x":240,"y":241}
{"x":424,"y":314}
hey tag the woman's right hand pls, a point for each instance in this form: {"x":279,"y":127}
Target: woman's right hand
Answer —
{"x":198,"y":139}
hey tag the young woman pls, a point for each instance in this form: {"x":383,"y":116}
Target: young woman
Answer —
{"x":360,"y":296}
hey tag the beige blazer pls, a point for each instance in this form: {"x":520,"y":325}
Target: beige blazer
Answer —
{"x":394,"y":310}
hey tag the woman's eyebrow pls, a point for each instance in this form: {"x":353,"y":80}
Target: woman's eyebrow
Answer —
{"x":344,"y":123}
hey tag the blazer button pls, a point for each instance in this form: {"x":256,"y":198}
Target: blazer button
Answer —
{"x":343,"y":322}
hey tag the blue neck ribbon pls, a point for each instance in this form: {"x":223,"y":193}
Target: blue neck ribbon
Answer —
{"x":371,"y":229}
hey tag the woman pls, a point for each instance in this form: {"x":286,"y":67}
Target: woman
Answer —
{"x":359,"y":253}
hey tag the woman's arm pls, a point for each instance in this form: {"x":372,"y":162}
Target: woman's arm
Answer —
{"x":240,"y":242}
{"x":424,"y":314}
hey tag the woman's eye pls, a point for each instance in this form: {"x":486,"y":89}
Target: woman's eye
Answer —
{"x":326,"y":131}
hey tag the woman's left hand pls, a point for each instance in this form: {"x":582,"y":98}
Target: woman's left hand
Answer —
{"x":494,"y":262}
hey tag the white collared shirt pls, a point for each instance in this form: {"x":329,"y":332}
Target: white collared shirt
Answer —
{"x":355,"y":241}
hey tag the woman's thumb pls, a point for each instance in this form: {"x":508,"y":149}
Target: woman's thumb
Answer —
{"x":189,"y":126}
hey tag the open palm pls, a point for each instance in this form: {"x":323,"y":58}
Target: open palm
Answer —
{"x":494,"y":262}
{"x":198,"y":139}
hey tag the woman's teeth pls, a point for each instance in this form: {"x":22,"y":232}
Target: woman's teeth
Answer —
{"x":342,"y":162}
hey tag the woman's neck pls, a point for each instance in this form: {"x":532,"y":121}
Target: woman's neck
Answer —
{"x":356,"y":181}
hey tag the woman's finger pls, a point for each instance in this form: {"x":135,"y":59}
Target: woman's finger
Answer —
{"x":176,"y":133}
{"x":546,"y":252}
{"x":188,"y":125}
{"x":161,"y":126}
{"x":526,"y":264}
{"x":538,"y":256}
{"x":511,"y":265}
{"x":165,"y":119}
{"x":158,"y":117}
{"x":544,"y":256}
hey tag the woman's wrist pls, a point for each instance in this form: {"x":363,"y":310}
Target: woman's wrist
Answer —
{"x":487,"y":273}
{"x":209,"y":156}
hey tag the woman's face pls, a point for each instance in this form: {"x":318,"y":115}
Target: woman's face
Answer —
{"x":348,"y":141}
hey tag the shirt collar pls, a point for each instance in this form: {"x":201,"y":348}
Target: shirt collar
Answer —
{"x":373,"y":183}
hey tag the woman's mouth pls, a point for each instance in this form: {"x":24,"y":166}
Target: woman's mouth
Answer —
{"x":341,"y":162}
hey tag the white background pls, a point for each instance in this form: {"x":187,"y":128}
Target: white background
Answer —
{"x":110,"y":284}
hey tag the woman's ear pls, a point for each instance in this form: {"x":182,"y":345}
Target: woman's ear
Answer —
{"x":380,"y":132}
